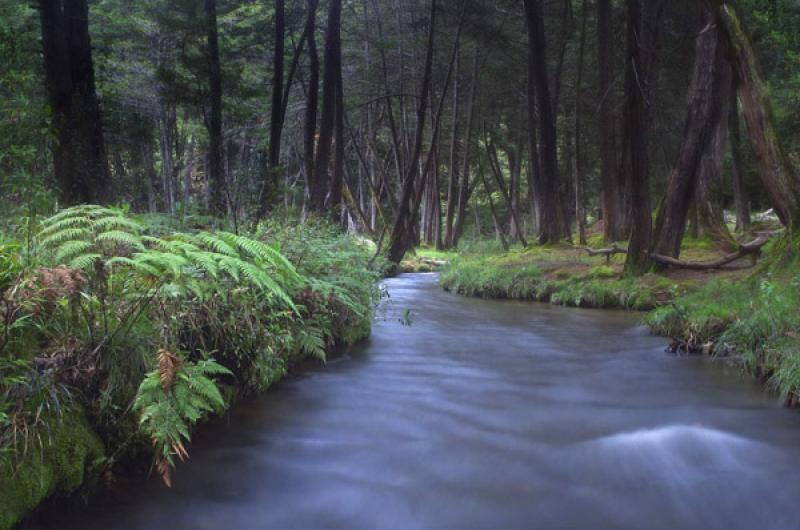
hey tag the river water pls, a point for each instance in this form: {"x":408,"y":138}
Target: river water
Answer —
{"x":485,"y":415}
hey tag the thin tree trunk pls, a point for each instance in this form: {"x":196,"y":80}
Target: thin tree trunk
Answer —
{"x":269,"y":191}
{"x":398,"y":244}
{"x":465,"y":187}
{"x":328,"y":116}
{"x":216,"y":172}
{"x":497,"y":226}
{"x":580,"y":214}
{"x":741,"y":198}
{"x":310,"y":127}
{"x":453,"y":181}
{"x":494,"y":164}
{"x":609,"y":184}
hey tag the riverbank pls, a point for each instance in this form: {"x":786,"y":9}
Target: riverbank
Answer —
{"x":749,"y":316}
{"x":120,"y":334}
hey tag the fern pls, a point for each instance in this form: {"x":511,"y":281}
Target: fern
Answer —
{"x":171,"y":400}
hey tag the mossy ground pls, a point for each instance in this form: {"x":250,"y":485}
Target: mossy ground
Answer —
{"x":426,"y":259}
{"x":57,"y":461}
{"x":565,"y":275}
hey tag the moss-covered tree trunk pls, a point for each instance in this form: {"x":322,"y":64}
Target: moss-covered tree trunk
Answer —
{"x":779,"y":179}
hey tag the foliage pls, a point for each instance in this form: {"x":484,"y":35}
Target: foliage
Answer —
{"x":101,"y":292}
{"x":171,"y":399}
{"x":758,"y":319}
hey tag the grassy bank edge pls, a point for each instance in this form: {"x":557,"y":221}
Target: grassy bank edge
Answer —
{"x":750,"y":318}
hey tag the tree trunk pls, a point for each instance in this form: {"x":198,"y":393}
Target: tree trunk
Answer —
{"x":710,"y":211}
{"x":335,"y":198}
{"x":312,"y":101}
{"x":465,"y":186}
{"x":215,"y":169}
{"x":551,"y":229}
{"x":328,"y":118}
{"x":704,"y":114}
{"x":270,"y":185}
{"x":453,"y":181}
{"x":580,"y":214}
{"x":611,"y":203}
{"x":79,"y":156}
{"x":398,"y":244}
{"x":741,"y":198}
{"x":636,"y":124}
{"x":780,"y":180}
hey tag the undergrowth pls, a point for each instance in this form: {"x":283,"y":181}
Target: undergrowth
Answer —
{"x":146,"y":329}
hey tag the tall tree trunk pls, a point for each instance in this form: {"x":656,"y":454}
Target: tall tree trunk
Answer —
{"x":79,"y":156}
{"x":704,"y":114}
{"x":710,"y":211}
{"x":312,"y":102}
{"x":550,"y":207}
{"x":611,"y":202}
{"x":328,"y":117}
{"x":464,"y":185}
{"x":270,"y":185}
{"x":779,"y":178}
{"x":741,"y":198}
{"x":636,"y":124}
{"x":580,"y":214}
{"x":398,"y":244}
{"x":335,"y":198}
{"x":453,"y":181}
{"x":215,"y":169}
{"x":494,"y":165}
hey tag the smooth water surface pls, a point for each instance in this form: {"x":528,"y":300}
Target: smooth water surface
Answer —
{"x":485,"y":415}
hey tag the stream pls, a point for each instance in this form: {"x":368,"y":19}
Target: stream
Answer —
{"x":484,"y":415}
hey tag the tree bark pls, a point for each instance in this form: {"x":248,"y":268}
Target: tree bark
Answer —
{"x":312,"y":102}
{"x":328,"y":117}
{"x":270,"y":184}
{"x":609,"y":185}
{"x":779,"y":178}
{"x":79,"y":155}
{"x":552,"y":228}
{"x":465,"y":186}
{"x":636,"y":124}
{"x":215,"y":169}
{"x":398,"y":244}
{"x":580,"y":214}
{"x":453,"y":181}
{"x":703,"y":118}
{"x":710,"y":210}
{"x":741,"y":198}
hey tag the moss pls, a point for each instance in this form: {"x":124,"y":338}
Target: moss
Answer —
{"x":59,"y":466}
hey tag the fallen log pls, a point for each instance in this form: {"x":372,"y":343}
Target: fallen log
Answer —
{"x":607,"y":252}
{"x":752,"y":249}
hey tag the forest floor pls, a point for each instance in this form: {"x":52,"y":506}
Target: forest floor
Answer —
{"x":748,"y":315}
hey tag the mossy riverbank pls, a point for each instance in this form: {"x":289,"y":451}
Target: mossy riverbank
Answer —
{"x":748,"y":315}
{"x":125,"y":334}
